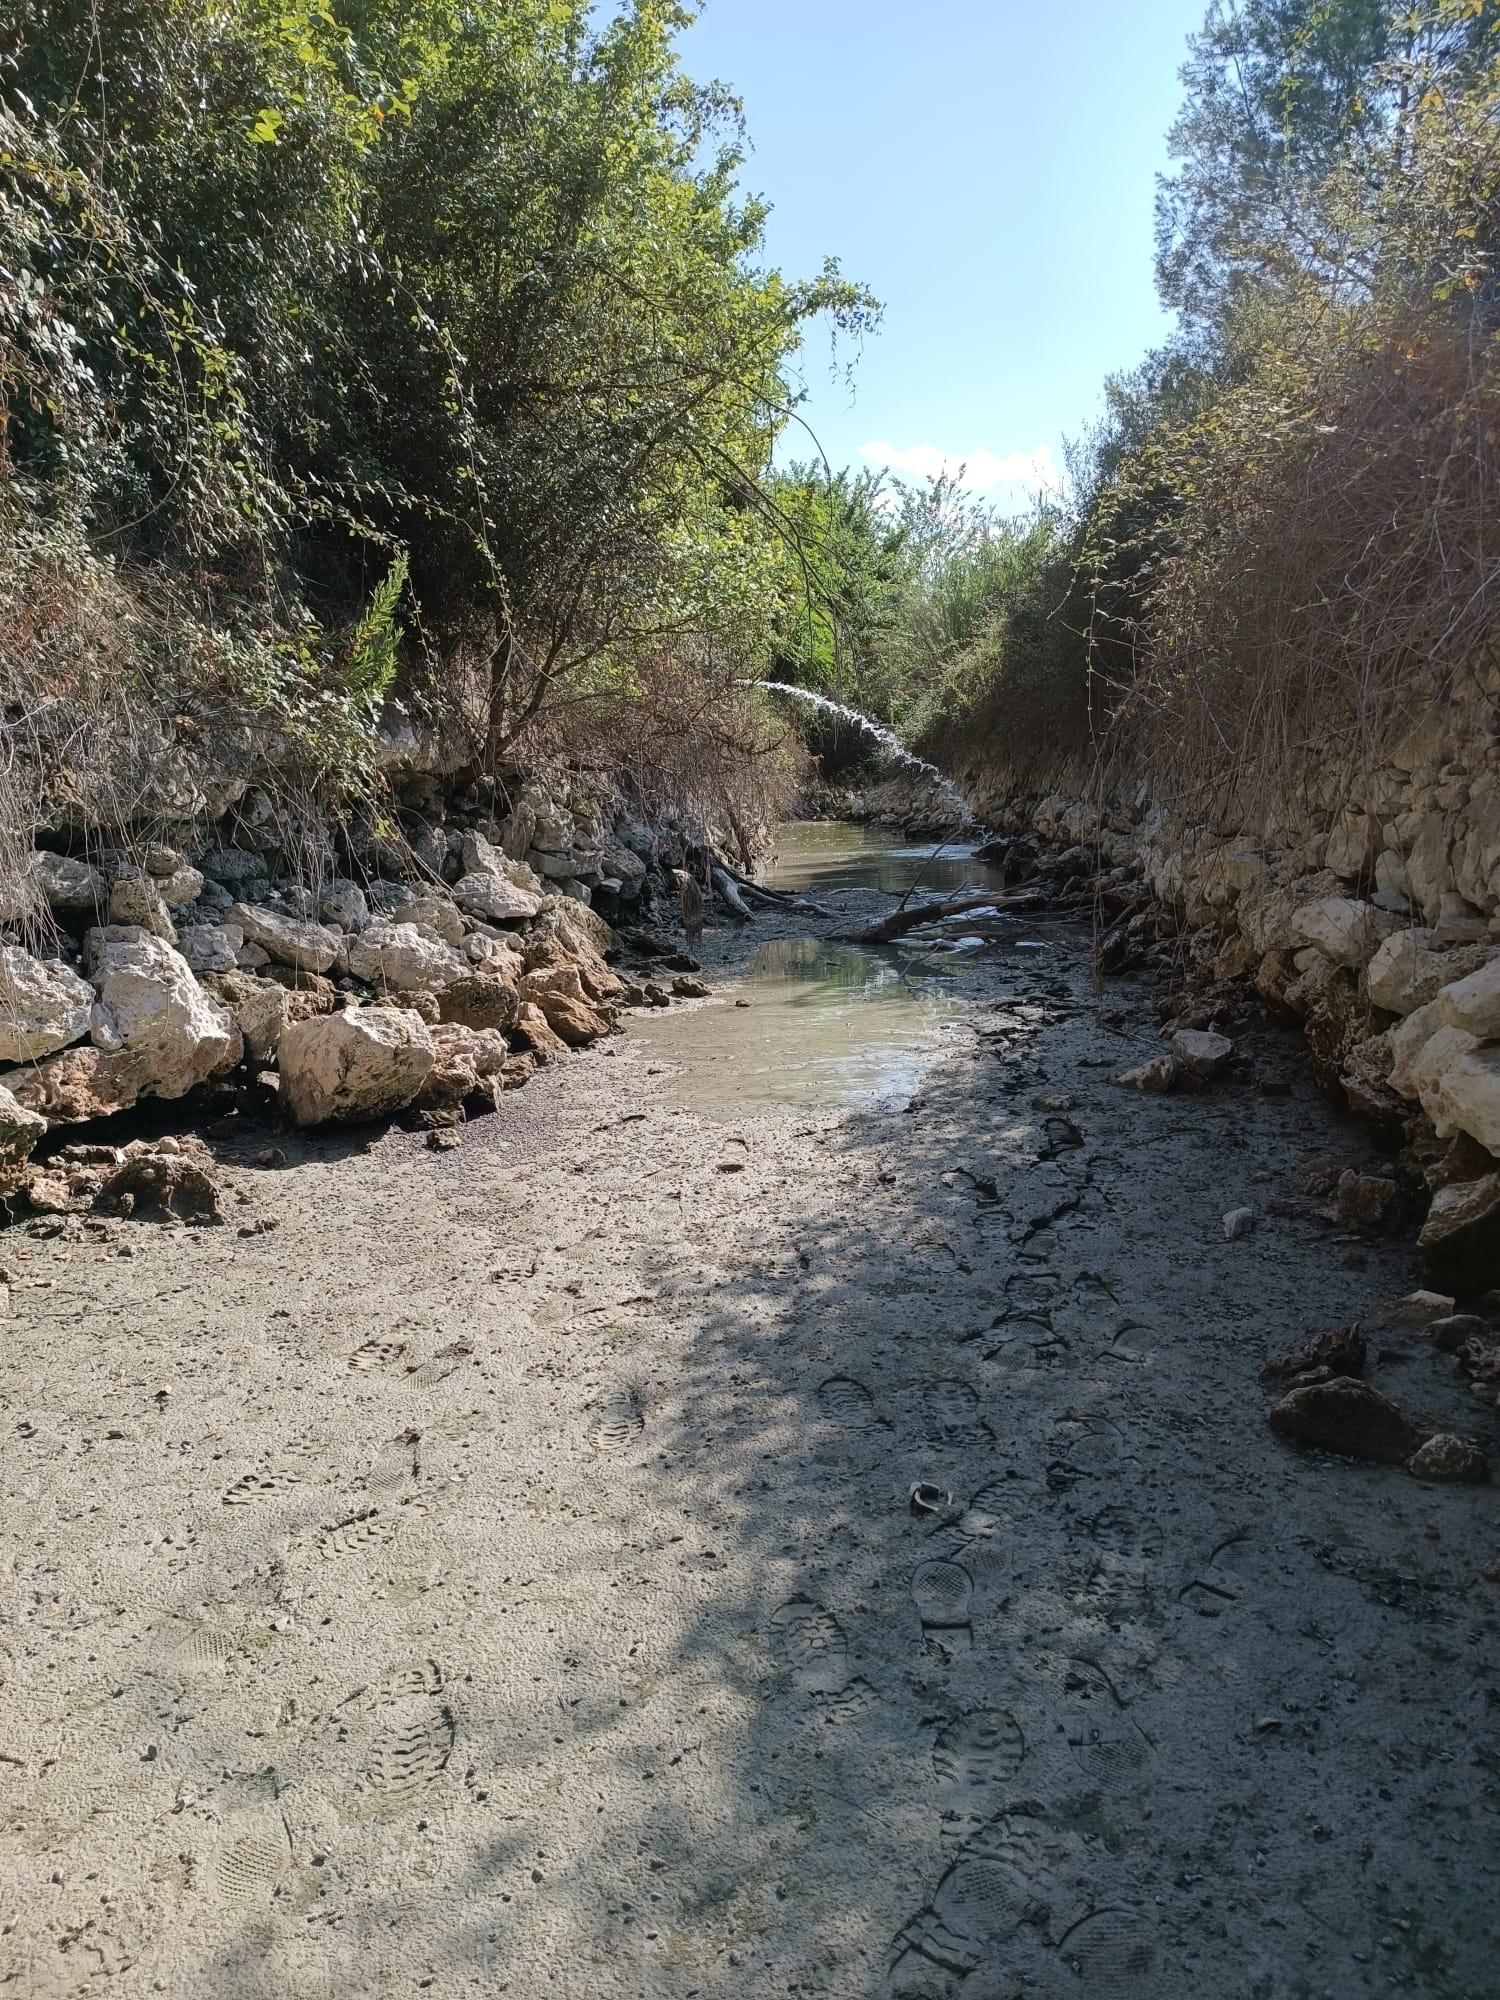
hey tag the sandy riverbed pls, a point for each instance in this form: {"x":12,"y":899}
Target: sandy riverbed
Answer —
{"x":500,"y":1577}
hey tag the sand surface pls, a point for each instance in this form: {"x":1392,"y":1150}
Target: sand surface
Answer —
{"x":500,"y":1577}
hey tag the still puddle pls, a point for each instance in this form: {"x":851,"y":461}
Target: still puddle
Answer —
{"x":817,"y":1023}
{"x":823,"y":1025}
{"x":814,"y":855}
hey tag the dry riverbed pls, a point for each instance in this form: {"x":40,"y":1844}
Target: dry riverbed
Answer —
{"x":503,"y":1576}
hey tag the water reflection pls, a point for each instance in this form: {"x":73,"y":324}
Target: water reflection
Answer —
{"x":822,"y":1025}
{"x":833,"y":854}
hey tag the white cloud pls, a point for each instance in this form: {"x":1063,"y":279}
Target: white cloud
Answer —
{"x":1017,"y":476}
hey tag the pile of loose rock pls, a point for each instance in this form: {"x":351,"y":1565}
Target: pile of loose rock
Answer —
{"x":439,"y":979}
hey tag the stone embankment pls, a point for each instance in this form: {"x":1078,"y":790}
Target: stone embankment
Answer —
{"x":437,"y":971}
{"x":1371,"y":914}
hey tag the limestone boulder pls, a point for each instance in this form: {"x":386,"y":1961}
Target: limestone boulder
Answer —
{"x":1429,"y":871}
{"x":234,"y":865}
{"x":1347,"y":1416}
{"x":569,"y":1012}
{"x":344,"y":905}
{"x":534,"y":1033}
{"x":44,"y":1005}
{"x":1345,"y":930}
{"x":135,"y":898}
{"x":1459,"y":1247}
{"x":1474,"y":1003}
{"x":260,"y":1008}
{"x":1461,"y":1093}
{"x":364,"y":1063}
{"x":466,"y":1069}
{"x":1353,"y":846}
{"x":151,"y":1007}
{"x":495,"y":898}
{"x":295,"y":941}
{"x":1411,"y":968}
{"x":184,"y":885}
{"x":67,"y":884}
{"x":211,"y":947}
{"x":404,"y":958}
{"x":436,"y":914}
{"x":19,"y":1131}
{"x":480,"y":1001}
{"x":1408,"y":1040}
{"x":494,"y":953}
{"x":78,"y":1084}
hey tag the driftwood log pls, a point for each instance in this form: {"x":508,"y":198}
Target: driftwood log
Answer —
{"x":902,"y":921}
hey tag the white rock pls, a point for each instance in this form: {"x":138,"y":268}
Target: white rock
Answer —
{"x":44,"y":1005}
{"x":1474,"y":1003}
{"x":67,"y":884}
{"x":1400,"y":969}
{"x":1425,"y":1071}
{"x":211,"y":947}
{"x":366,"y":1062}
{"x":19,"y":1131}
{"x":485,"y":1048}
{"x":1462,"y":1093}
{"x":259,"y":1007}
{"x":289,"y":940}
{"x":344,"y":903}
{"x":437,"y":914}
{"x":1407,"y":1039}
{"x":151,"y":1007}
{"x":135,"y":898}
{"x":183,"y":885}
{"x":494,"y":952}
{"x":1344,"y":930}
{"x":404,"y":958}
{"x":1352,"y":845}
{"x":488,"y":895}
{"x":1238,"y":1222}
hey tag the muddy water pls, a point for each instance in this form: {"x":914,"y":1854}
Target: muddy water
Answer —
{"x":817,"y":1022}
{"x":819,"y":855}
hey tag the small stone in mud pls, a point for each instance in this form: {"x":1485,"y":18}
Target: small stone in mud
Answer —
{"x":1340,"y":1352}
{"x":270,"y":1156}
{"x":686,"y":988}
{"x":1454,"y":1330}
{"x":1238,"y":1222}
{"x":1159,"y":1075}
{"x":1451,"y":1459}
{"x":657,"y":996}
{"x":1202,"y":1053}
{"x":1349,"y":1417}
{"x":1419,"y":1309}
{"x":443,"y":1138}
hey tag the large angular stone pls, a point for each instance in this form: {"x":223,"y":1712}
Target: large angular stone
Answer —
{"x":78,"y":1084}
{"x":1410,"y":969}
{"x":436,"y":914}
{"x":19,"y":1131}
{"x":44,"y":1005}
{"x":135,"y":898}
{"x":1474,"y":1003}
{"x":367,"y":1062}
{"x":495,"y":897}
{"x":152,"y":1008}
{"x":259,"y":1006}
{"x":67,"y":884}
{"x":1347,"y":931}
{"x":289,"y":940}
{"x":479,"y":1001}
{"x":211,"y":947}
{"x":1459,"y":1247}
{"x":1462,"y":1094}
{"x":405,"y":958}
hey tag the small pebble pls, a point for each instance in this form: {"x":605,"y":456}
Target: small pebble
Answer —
{"x":1238,"y":1222}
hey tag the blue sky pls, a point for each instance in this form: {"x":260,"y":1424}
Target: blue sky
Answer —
{"x":987,"y":168}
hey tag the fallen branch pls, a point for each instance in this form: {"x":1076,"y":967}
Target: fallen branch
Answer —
{"x":729,"y":894}
{"x":931,"y":913}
